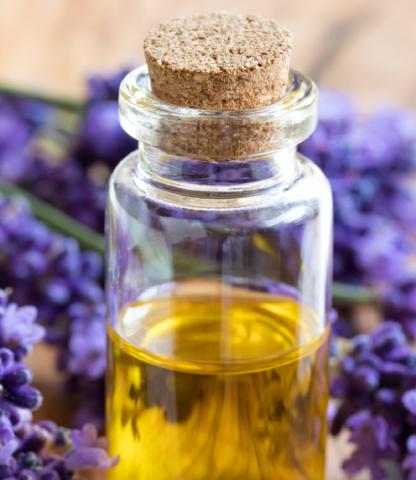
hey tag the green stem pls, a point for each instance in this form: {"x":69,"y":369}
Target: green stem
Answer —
{"x":58,"y":220}
{"x":60,"y":102}
{"x":346,"y":294}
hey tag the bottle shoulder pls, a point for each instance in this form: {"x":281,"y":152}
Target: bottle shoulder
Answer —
{"x":306,"y":192}
{"x":314,"y":178}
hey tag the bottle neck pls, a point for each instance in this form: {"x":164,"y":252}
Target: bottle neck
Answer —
{"x":242,"y":176}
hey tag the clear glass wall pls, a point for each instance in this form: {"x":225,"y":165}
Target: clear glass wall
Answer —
{"x":218,"y":292}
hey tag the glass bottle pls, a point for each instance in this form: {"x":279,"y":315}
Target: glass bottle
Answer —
{"x":218,"y":284}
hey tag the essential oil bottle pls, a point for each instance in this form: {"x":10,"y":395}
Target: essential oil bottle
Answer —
{"x":218,"y":261}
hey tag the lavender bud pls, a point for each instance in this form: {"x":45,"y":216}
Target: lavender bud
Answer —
{"x":409,"y":401}
{"x":25,"y":397}
{"x":27,"y":475}
{"x":29,"y":460}
{"x":52,"y":475}
{"x":7,"y":468}
{"x":63,"y":438}
{"x":386,"y":397}
{"x":35,"y":442}
{"x":19,"y":375}
{"x":366,"y":378}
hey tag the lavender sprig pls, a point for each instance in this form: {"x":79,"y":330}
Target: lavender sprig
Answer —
{"x":28,"y":450}
{"x":376,"y":388}
{"x":50,"y":271}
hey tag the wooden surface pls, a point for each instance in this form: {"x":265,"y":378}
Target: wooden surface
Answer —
{"x":366,"y":47}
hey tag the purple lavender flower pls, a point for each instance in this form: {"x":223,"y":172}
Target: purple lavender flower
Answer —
{"x":105,"y":87}
{"x":14,"y":138}
{"x":374,"y":445}
{"x":409,"y":462}
{"x":384,"y":255}
{"x":35,"y":152}
{"x":376,"y":386}
{"x":69,"y":186}
{"x":101,"y":138}
{"x":409,"y":401}
{"x":87,"y":346}
{"x":7,"y":461}
{"x":66,"y":285}
{"x":66,"y":276}
{"x":26,"y":448}
{"x":30,"y":456}
{"x":88,"y":450}
{"x":368,"y":161}
{"x":14,"y":380}
{"x":18,"y":327}
{"x":400,"y":303}
{"x":18,"y":332}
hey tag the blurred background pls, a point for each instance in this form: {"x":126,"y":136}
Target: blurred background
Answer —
{"x":365,"y":47}
{"x":62,"y":152}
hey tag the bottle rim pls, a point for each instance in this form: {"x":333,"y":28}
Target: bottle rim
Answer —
{"x":160,"y":124}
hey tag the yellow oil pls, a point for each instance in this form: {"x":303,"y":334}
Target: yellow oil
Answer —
{"x":214,"y":382}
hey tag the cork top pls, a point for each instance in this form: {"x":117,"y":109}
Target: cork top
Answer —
{"x":219,"y":61}
{"x":220,"y":89}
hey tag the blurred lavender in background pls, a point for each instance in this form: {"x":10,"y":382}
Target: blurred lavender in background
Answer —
{"x":50,"y":271}
{"x":65,"y":157}
{"x":376,"y":388}
{"x":371,"y":164}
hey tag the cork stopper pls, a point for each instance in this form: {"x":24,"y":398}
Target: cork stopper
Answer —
{"x":219,"y":61}
{"x":221,"y":89}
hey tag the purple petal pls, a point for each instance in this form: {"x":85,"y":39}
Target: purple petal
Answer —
{"x":89,"y":457}
{"x":409,"y":401}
